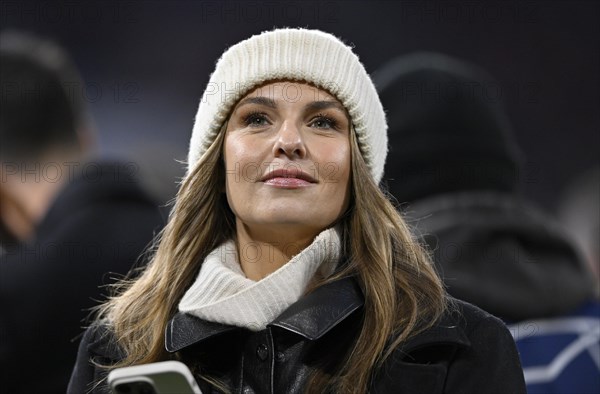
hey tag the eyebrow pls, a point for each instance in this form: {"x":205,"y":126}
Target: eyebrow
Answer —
{"x":314,"y":105}
{"x":326,"y":104}
{"x":320,"y":105}
{"x":258,"y":100}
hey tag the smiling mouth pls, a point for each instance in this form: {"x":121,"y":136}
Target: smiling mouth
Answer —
{"x":288,"y":183}
{"x":288,"y":179}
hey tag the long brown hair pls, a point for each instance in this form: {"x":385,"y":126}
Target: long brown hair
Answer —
{"x":403,"y":294}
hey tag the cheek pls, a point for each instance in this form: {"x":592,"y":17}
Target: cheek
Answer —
{"x":232,"y":177}
{"x":336,"y":166}
{"x":342,"y":175}
{"x":231,"y":154}
{"x":242,"y":160}
{"x":234,"y":154}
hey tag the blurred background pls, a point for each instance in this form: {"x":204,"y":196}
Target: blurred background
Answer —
{"x":146,"y":64}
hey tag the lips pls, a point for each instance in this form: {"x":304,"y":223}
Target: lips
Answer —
{"x":291,"y":178}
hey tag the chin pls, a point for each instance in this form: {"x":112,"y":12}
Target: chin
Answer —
{"x":292,"y":221}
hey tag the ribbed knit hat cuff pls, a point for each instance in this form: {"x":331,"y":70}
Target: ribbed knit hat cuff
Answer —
{"x":298,"y":55}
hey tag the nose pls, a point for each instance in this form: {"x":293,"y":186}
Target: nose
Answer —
{"x":289,"y":141}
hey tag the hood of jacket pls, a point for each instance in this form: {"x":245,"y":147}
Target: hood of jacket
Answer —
{"x":503,"y":255}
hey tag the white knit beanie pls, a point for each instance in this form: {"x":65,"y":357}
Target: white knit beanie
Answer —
{"x":298,"y":55}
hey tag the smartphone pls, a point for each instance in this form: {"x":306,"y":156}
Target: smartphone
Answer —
{"x":165,"y":377}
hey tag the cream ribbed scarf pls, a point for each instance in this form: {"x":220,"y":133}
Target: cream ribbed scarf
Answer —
{"x":223,"y":294}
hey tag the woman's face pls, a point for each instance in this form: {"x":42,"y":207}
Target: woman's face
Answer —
{"x":287,"y":159}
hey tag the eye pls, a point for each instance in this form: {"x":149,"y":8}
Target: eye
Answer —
{"x":256,"y":119}
{"x":323,"y":122}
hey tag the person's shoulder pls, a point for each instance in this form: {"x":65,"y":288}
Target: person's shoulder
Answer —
{"x":100,"y":340}
{"x":468,"y":315}
{"x":473,"y":321}
{"x":456,"y":327}
{"x":467,"y":348}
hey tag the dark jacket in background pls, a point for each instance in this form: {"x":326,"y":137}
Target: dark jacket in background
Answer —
{"x":98,"y":224}
{"x":468,"y":351}
{"x":504,"y":255}
{"x":455,"y":168}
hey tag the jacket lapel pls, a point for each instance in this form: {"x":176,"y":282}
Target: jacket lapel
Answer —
{"x":184,"y":330}
{"x":311,"y":317}
{"x":318,"y":312}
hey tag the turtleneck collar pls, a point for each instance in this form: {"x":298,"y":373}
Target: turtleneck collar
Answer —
{"x":223,"y":294}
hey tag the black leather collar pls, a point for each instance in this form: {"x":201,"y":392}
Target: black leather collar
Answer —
{"x":311,"y":317}
{"x":317,"y":313}
{"x":185,"y":330}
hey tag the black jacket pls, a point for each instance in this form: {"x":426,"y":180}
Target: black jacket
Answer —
{"x":98,"y":224}
{"x":467,"y":351}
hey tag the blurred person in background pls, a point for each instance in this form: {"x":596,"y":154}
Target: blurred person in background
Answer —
{"x":68,"y":220}
{"x":454,"y":168}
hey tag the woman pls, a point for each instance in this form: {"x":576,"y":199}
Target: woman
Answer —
{"x":283,"y":267}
